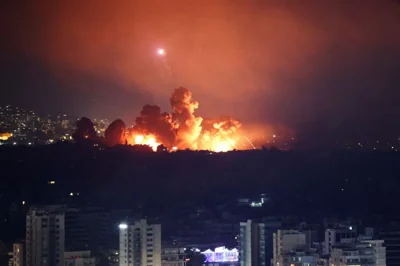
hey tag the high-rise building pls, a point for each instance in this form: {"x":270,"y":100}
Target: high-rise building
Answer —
{"x":18,"y":254}
{"x":139,"y":244}
{"x":173,"y":256}
{"x":252,"y":244}
{"x":45,"y":236}
{"x":93,"y":228}
{"x":285,"y":241}
{"x":272,"y":224}
{"x":293,"y":248}
{"x":336,"y":236}
{"x":391,"y":236}
{"x":365,"y":253}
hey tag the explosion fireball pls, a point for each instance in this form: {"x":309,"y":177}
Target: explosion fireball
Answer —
{"x":182,"y":129}
{"x":148,"y":140}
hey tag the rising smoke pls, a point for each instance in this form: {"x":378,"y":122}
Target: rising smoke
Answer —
{"x":182,"y":128}
{"x":189,"y":126}
{"x":115,"y":133}
{"x":152,"y":121}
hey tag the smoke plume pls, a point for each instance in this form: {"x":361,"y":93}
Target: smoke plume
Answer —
{"x":152,"y":121}
{"x":271,"y":57}
{"x":189,"y":125}
{"x":115,"y":133}
{"x":182,"y":129}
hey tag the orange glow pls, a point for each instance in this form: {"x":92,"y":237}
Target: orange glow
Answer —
{"x":217,"y":143}
{"x":183,"y":129}
{"x":210,"y":49}
{"x":149,"y":140}
{"x":5,"y":136}
{"x":223,"y":146}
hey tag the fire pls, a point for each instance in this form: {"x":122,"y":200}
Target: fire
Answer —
{"x":216,"y":142}
{"x":178,"y":130}
{"x":149,"y":140}
{"x":182,"y":128}
{"x":5,"y":136}
{"x":222,"y":146}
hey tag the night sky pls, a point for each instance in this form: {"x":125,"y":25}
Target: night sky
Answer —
{"x":335,"y":63}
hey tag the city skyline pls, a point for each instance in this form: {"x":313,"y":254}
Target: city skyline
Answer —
{"x":200,"y":133}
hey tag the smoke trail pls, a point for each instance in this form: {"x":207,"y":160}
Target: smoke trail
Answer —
{"x":167,"y":66}
{"x":161,"y":53}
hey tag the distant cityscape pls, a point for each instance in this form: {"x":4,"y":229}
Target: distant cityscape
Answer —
{"x":78,"y":205}
{"x":21,"y":127}
{"x":58,"y":235}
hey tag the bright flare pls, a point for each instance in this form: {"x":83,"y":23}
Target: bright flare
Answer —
{"x":149,"y":140}
{"x":161,"y":52}
{"x":222,"y":146}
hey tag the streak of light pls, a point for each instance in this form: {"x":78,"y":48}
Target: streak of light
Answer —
{"x":250,"y":142}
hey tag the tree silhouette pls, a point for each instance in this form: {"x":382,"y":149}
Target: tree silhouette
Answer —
{"x":84,"y":130}
{"x":161,"y":148}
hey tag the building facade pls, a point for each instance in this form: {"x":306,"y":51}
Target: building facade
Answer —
{"x":338,"y":236}
{"x":139,"y":244}
{"x":293,"y":248}
{"x":45,"y":236}
{"x":391,"y":236}
{"x":299,"y":258}
{"x":79,"y":258}
{"x":365,"y":253}
{"x":285,"y":241}
{"x":18,"y":254}
{"x":93,"y":228}
{"x":252,"y":244}
{"x":173,"y":256}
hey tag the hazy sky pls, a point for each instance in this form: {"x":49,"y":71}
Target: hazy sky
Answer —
{"x":284,"y":62}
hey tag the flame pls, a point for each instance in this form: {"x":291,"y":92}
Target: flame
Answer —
{"x":182,"y":128}
{"x":5,"y":136}
{"x":223,"y":146}
{"x":217,"y":142}
{"x":149,"y":140}
{"x":210,"y":142}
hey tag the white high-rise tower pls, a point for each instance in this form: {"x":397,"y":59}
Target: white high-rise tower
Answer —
{"x":45,"y":235}
{"x":139,"y":244}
